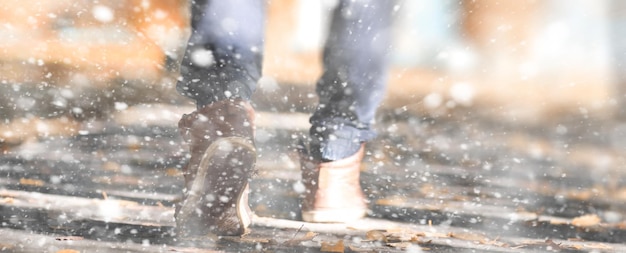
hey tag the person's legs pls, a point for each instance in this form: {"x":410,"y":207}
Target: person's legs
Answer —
{"x":350,"y":90}
{"x":221,"y":65}
{"x":354,"y":78}
{"x":223,"y":59}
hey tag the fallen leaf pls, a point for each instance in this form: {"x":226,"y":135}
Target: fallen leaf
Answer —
{"x":173,"y":172}
{"x":399,"y":237}
{"x":576,"y":247}
{"x":391,"y":201}
{"x":68,"y":251}
{"x":468,"y":236}
{"x":375,"y":235}
{"x":307,"y":237}
{"x":586,"y":220}
{"x":400,"y":245}
{"x":402,"y":235}
{"x":112,"y":166}
{"x":6,"y":247}
{"x":32,"y":182}
{"x":125,"y":180}
{"x":417,"y":238}
{"x":555,"y":246}
{"x":494,"y":242}
{"x":333,"y":247}
{"x":7,"y":200}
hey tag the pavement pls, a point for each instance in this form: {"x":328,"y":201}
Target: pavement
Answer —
{"x":457,"y":182}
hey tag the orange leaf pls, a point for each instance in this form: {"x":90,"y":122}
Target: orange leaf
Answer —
{"x":68,"y":251}
{"x":333,"y":247}
{"x":586,"y":220}
{"x":33,"y":182}
{"x":375,"y":235}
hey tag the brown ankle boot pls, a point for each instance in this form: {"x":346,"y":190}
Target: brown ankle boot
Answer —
{"x":223,"y":155}
{"x":333,"y":190}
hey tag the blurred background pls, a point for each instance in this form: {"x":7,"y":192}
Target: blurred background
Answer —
{"x":524,"y":61}
{"x":507,"y":118}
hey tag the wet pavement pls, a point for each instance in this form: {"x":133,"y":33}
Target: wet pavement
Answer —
{"x":457,"y":182}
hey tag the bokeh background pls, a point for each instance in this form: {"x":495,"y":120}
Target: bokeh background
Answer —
{"x":504,"y":124}
{"x":523,"y":61}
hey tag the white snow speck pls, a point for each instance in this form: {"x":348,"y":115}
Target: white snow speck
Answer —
{"x":224,"y":199}
{"x":126,"y":169}
{"x":268,"y":84}
{"x":160,"y":14}
{"x":55,"y":179}
{"x":109,"y":210}
{"x":561,"y":129}
{"x":299,"y":187}
{"x":433,"y":100}
{"x":202,"y":57}
{"x":462,"y":93}
{"x":77,"y":110}
{"x":229,"y":25}
{"x":225,"y":146}
{"x":120,"y":106}
{"x":103,"y":13}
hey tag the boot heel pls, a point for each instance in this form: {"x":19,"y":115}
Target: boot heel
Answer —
{"x":218,"y":203}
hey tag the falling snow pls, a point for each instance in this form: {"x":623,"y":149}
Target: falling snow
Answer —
{"x":502,"y":128}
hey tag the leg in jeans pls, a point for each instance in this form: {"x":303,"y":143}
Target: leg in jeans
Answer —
{"x":223,"y":59}
{"x":350,"y":90}
{"x":354,"y":78}
{"x":219,"y":70}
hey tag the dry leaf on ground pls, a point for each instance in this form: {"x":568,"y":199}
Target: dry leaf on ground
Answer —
{"x":333,"y":247}
{"x":31,"y":182}
{"x":468,"y":236}
{"x":586,"y":220}
{"x":68,"y":251}
{"x":375,"y":235}
{"x":7,"y":200}
{"x":307,"y":237}
{"x":400,"y":245}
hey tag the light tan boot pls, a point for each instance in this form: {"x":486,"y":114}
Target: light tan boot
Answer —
{"x":333,"y":190}
{"x":222,"y":161}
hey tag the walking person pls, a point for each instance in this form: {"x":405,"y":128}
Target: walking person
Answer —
{"x":220,"y":69}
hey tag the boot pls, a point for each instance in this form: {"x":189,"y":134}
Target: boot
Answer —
{"x":333,"y":190}
{"x":215,"y":200}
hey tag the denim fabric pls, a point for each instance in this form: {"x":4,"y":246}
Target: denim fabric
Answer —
{"x":223,"y":58}
{"x":354,"y":75}
{"x":354,"y":78}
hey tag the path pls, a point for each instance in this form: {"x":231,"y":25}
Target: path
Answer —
{"x":436,"y":184}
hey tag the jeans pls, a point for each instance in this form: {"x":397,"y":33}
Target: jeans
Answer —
{"x":224,"y":58}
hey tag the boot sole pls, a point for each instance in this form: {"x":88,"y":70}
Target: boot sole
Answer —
{"x":197,"y":187}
